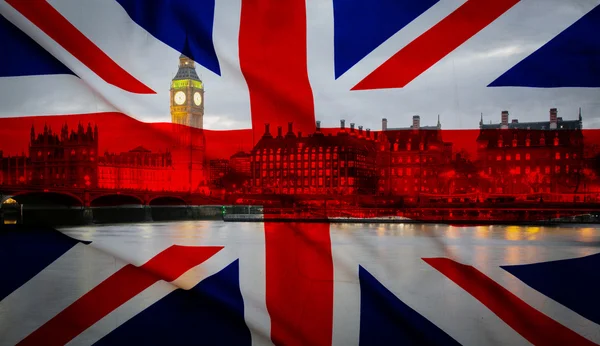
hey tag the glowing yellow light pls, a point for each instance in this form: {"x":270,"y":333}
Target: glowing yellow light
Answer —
{"x":587,"y":234}
{"x":513,"y":233}
{"x":186,"y":83}
{"x":9,"y":201}
{"x":481,"y":232}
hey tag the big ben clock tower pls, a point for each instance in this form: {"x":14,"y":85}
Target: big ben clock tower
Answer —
{"x":187,"y":95}
{"x":187,"y":109}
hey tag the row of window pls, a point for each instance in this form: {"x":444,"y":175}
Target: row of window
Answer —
{"x":408,"y":146}
{"x":320,"y":172}
{"x":313,"y":164}
{"x":542,"y":141}
{"x":517,"y":157}
{"x":408,"y":172}
{"x":302,"y":149}
{"x":299,"y":190}
{"x":307,"y":182}
{"x":313,"y":157}
{"x":409,"y":159}
{"x":537,"y":169}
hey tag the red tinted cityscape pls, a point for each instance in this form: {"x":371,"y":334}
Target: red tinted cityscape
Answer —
{"x":419,"y":170}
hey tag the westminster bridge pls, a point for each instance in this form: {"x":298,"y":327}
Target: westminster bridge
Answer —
{"x":63,"y":205}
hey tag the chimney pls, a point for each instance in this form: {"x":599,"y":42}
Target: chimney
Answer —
{"x":343,"y":125}
{"x":318,"y":126}
{"x":416,"y":122}
{"x":360,"y":130}
{"x":290,"y":127}
{"x":553,"y":118}
{"x":515,"y":121}
{"x":299,"y":134}
{"x":279,"y":132}
{"x":384,"y":124}
{"x":369,"y":133}
{"x":504,"y":123}
{"x":267,"y":129}
{"x":352,"y":127}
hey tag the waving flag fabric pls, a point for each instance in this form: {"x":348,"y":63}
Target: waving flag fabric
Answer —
{"x":204,"y":288}
{"x":147,"y":108}
{"x":466,"y":52}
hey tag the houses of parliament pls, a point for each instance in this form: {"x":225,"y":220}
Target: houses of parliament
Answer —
{"x":71,"y":158}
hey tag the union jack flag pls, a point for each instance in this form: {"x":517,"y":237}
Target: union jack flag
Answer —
{"x":294,"y":283}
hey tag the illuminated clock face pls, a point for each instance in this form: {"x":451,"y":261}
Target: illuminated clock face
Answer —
{"x":179,"y":97}
{"x":197,"y":98}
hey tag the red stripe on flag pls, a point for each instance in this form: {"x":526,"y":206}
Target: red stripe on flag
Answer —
{"x":433,"y":45}
{"x":299,"y":270}
{"x":533,"y":325}
{"x":115,"y":291}
{"x":51,"y":22}
{"x":273,"y":59}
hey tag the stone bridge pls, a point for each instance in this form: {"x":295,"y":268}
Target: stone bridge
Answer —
{"x":101,"y":197}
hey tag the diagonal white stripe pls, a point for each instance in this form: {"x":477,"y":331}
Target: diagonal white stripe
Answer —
{"x":52,"y":290}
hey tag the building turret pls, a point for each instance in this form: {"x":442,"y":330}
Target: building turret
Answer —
{"x":290,"y":133}
{"x":553,"y":118}
{"x":89,"y":133}
{"x":504,"y":122}
{"x":416,"y":124}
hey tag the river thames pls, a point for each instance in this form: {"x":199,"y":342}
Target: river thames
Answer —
{"x":392,"y":253}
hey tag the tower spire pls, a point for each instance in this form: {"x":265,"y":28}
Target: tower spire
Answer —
{"x":481,"y":121}
{"x":439,"y":124}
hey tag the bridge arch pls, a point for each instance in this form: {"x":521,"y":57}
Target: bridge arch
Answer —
{"x":167,"y":200}
{"x":48,"y":198}
{"x":114,"y":199}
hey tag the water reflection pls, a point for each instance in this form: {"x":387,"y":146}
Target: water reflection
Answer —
{"x":481,"y":244}
{"x":587,"y":234}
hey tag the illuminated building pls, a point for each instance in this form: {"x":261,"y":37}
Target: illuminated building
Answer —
{"x":64,"y":159}
{"x":240,"y":163}
{"x":187,"y":114}
{"x":138,"y":169}
{"x":14,"y":170}
{"x":411,"y":159}
{"x":217,"y":170}
{"x":531,"y":157}
{"x":315,"y":164}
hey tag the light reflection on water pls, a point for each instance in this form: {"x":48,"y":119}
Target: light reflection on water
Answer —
{"x":507,"y":244}
{"x":393,"y":252}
